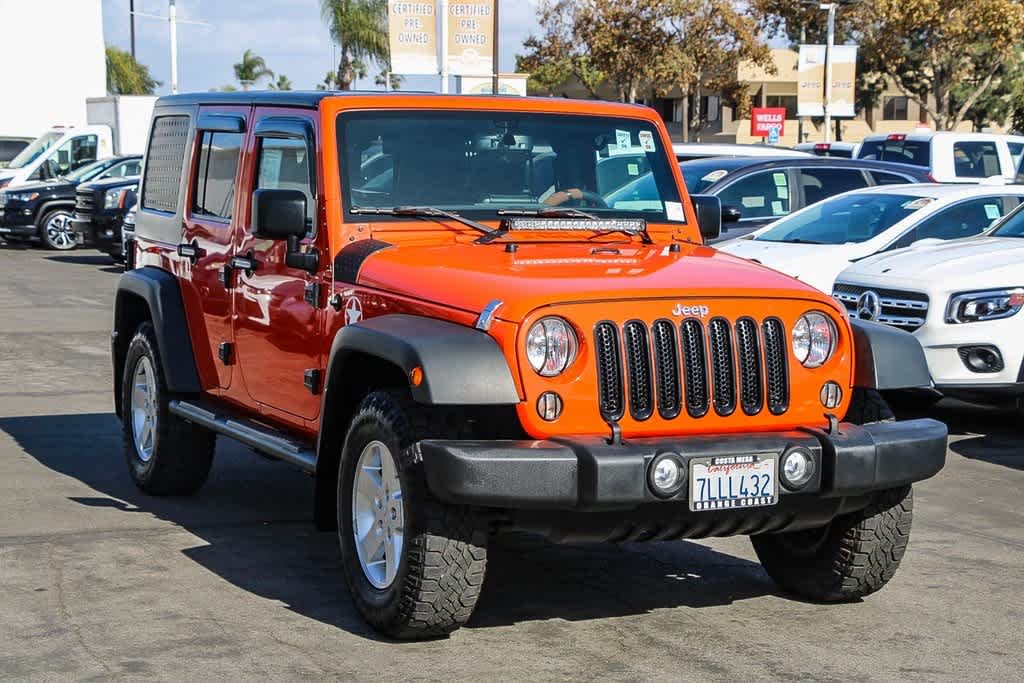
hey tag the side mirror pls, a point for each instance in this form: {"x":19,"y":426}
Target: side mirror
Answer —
{"x":281,"y":215}
{"x":731,"y":214}
{"x":709,"y":215}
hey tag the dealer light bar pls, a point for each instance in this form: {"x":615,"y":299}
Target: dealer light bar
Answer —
{"x":637,"y":225}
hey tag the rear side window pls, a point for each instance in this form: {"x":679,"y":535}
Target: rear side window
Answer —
{"x":214,"y":191}
{"x":976,"y":159}
{"x":1016,"y":152}
{"x":164,"y":160}
{"x":820,"y":183}
{"x":881,"y":178}
{"x":760,"y":195}
{"x":284,"y":164}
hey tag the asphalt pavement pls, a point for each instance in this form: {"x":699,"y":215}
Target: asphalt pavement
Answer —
{"x":98,"y":581}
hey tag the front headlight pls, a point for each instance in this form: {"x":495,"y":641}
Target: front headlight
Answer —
{"x":111,"y":198}
{"x":814,"y":339}
{"x":21,"y":197}
{"x":993,"y":304}
{"x":551,"y":346}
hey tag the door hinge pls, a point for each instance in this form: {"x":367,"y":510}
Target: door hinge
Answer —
{"x":313,"y":294}
{"x":226,"y":353}
{"x":311,"y":380}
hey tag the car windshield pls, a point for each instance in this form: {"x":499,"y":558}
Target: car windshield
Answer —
{"x":483,"y":165}
{"x":844,"y":219}
{"x":32,"y":152}
{"x":1013,"y":227}
{"x":89,"y":171}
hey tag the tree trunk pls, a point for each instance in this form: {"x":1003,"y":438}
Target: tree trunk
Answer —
{"x":697,"y":113}
{"x":345,"y":75}
{"x":685,"y":119}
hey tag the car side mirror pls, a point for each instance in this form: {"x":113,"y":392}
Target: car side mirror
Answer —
{"x":281,"y":215}
{"x":731,"y":214}
{"x":709,"y":215}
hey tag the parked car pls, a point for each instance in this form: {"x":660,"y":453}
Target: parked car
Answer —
{"x":961,"y":299}
{"x":687,"y":151}
{"x":128,"y":238}
{"x":818,"y":242}
{"x":100,"y":207}
{"x":44,"y":210}
{"x":11,"y":147}
{"x":480,"y":343}
{"x":756,"y":192}
{"x":844,"y":150}
{"x":950,"y":157}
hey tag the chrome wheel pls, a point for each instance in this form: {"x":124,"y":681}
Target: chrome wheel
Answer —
{"x":143,"y":409}
{"x":378,"y":519}
{"x":59,"y":233}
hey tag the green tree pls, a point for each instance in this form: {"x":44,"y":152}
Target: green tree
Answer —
{"x":282,"y":83}
{"x":251,"y":69}
{"x":359,"y":27}
{"x":388,"y":79}
{"x":554,"y":57}
{"x":125,"y":76}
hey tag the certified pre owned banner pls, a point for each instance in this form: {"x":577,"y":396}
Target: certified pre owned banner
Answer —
{"x":811,"y":80}
{"x":412,"y":31}
{"x":471,"y":37}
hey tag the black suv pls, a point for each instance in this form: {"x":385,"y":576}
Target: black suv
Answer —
{"x":100,"y":207}
{"x":43,"y":210}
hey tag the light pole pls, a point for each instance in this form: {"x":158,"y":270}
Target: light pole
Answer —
{"x":830,"y":42}
{"x":172,"y":30}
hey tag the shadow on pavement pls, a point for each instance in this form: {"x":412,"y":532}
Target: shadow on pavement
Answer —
{"x":106,"y":263}
{"x":255,"y":518}
{"x":994,"y":435}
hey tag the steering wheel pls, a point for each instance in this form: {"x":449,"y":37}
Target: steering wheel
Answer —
{"x":574,"y":194}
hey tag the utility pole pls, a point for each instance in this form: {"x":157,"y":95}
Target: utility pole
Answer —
{"x":444,"y":47}
{"x":172,"y":22}
{"x":496,"y":87}
{"x":131,"y":14}
{"x":829,"y":44}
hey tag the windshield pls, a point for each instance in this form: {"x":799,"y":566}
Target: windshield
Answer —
{"x":481,"y":163}
{"x":89,"y":171}
{"x":1013,"y":227}
{"x":915,"y":152}
{"x":846,"y":218}
{"x":700,"y":175}
{"x":32,"y":152}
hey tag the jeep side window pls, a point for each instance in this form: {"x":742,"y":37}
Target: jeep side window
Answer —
{"x":214,"y":189}
{"x":284,"y":164}
{"x":759,"y":195}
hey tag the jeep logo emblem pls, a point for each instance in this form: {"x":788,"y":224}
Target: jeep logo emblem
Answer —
{"x":869,"y":306}
{"x":697,"y":311}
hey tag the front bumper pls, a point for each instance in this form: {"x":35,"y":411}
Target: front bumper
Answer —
{"x":99,"y":230}
{"x":15,"y":221}
{"x":590,"y":474}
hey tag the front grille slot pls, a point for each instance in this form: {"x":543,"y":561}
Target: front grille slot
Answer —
{"x":899,"y":308}
{"x":84,"y":202}
{"x":719,"y":366}
{"x":609,"y":371}
{"x":776,"y":369}
{"x":723,"y":366}
{"x":638,"y":365}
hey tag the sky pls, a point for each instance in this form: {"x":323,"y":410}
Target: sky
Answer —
{"x":288,"y":34}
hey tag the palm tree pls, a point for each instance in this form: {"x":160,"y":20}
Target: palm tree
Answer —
{"x":283,"y":83}
{"x":125,"y":76}
{"x":251,"y":69}
{"x":359,"y":27}
{"x":389,"y":80}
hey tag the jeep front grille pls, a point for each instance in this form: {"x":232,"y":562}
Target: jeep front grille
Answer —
{"x":902,"y":309}
{"x":718,"y":366}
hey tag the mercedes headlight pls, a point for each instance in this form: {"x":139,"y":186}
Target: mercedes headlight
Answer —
{"x":551,"y":346}
{"x":993,"y":304}
{"x":814,"y":339}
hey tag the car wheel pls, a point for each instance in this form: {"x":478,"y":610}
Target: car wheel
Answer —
{"x":166,"y":454}
{"x":414,"y":565}
{"x":56,"y":232}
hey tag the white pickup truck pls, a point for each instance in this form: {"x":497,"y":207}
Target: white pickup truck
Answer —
{"x":950,"y":157}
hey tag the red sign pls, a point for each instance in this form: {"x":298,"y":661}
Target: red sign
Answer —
{"x":763,"y":119}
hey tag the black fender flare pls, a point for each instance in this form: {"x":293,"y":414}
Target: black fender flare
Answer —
{"x":50,"y":205}
{"x":886,"y":358}
{"x":162,"y":295}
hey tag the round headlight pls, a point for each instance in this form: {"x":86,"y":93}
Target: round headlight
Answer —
{"x":551,"y":346}
{"x":814,"y":339}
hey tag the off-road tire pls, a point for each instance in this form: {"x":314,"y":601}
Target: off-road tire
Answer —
{"x":46,"y":238}
{"x":854,"y":556}
{"x":182,"y":451}
{"x":444,"y":557}
{"x":867,"y":406}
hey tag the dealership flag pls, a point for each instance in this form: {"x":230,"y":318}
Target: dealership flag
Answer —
{"x":412,"y":32}
{"x":811,"y":80}
{"x":471,"y":37}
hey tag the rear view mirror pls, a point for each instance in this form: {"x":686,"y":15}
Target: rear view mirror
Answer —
{"x":709,"y":215}
{"x":278,"y":214}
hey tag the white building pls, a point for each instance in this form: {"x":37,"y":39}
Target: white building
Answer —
{"x":51,"y":59}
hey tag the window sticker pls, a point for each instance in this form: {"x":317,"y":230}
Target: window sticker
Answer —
{"x":992,"y":211}
{"x":623,"y":139}
{"x":780,"y":179}
{"x":647,"y":141}
{"x":777,"y":209}
{"x":270,"y":167}
{"x":754,"y":202}
{"x":782,"y":192}
{"x":715,"y":176}
{"x":633,"y":169}
{"x":674,"y":211}
{"x":919,"y":203}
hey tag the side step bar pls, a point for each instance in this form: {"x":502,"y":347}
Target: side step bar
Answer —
{"x":260,"y":438}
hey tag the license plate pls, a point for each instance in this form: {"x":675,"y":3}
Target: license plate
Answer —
{"x":733,"y":481}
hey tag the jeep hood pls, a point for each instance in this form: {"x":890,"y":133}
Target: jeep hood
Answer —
{"x":469,"y":276}
{"x":975,"y":262}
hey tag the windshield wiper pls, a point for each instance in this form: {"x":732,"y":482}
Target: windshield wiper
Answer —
{"x":424,"y":212}
{"x":798,"y":240}
{"x":569,"y":212}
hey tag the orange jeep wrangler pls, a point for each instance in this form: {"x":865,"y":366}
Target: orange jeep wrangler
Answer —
{"x":468,"y":315}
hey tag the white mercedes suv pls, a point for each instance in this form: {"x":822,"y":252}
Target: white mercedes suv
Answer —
{"x":961,"y":299}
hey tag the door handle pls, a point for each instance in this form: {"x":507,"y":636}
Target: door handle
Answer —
{"x":248,"y":263}
{"x":191,"y":251}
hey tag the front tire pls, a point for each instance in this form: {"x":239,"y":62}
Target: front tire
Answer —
{"x":414,"y":565}
{"x":56,"y":232}
{"x":166,"y":455}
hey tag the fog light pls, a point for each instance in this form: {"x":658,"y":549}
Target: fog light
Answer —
{"x":831,"y":395}
{"x":549,"y":406}
{"x":666,"y":475}
{"x":797,"y":468}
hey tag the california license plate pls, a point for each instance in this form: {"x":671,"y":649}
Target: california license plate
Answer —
{"x":733,"y":481}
